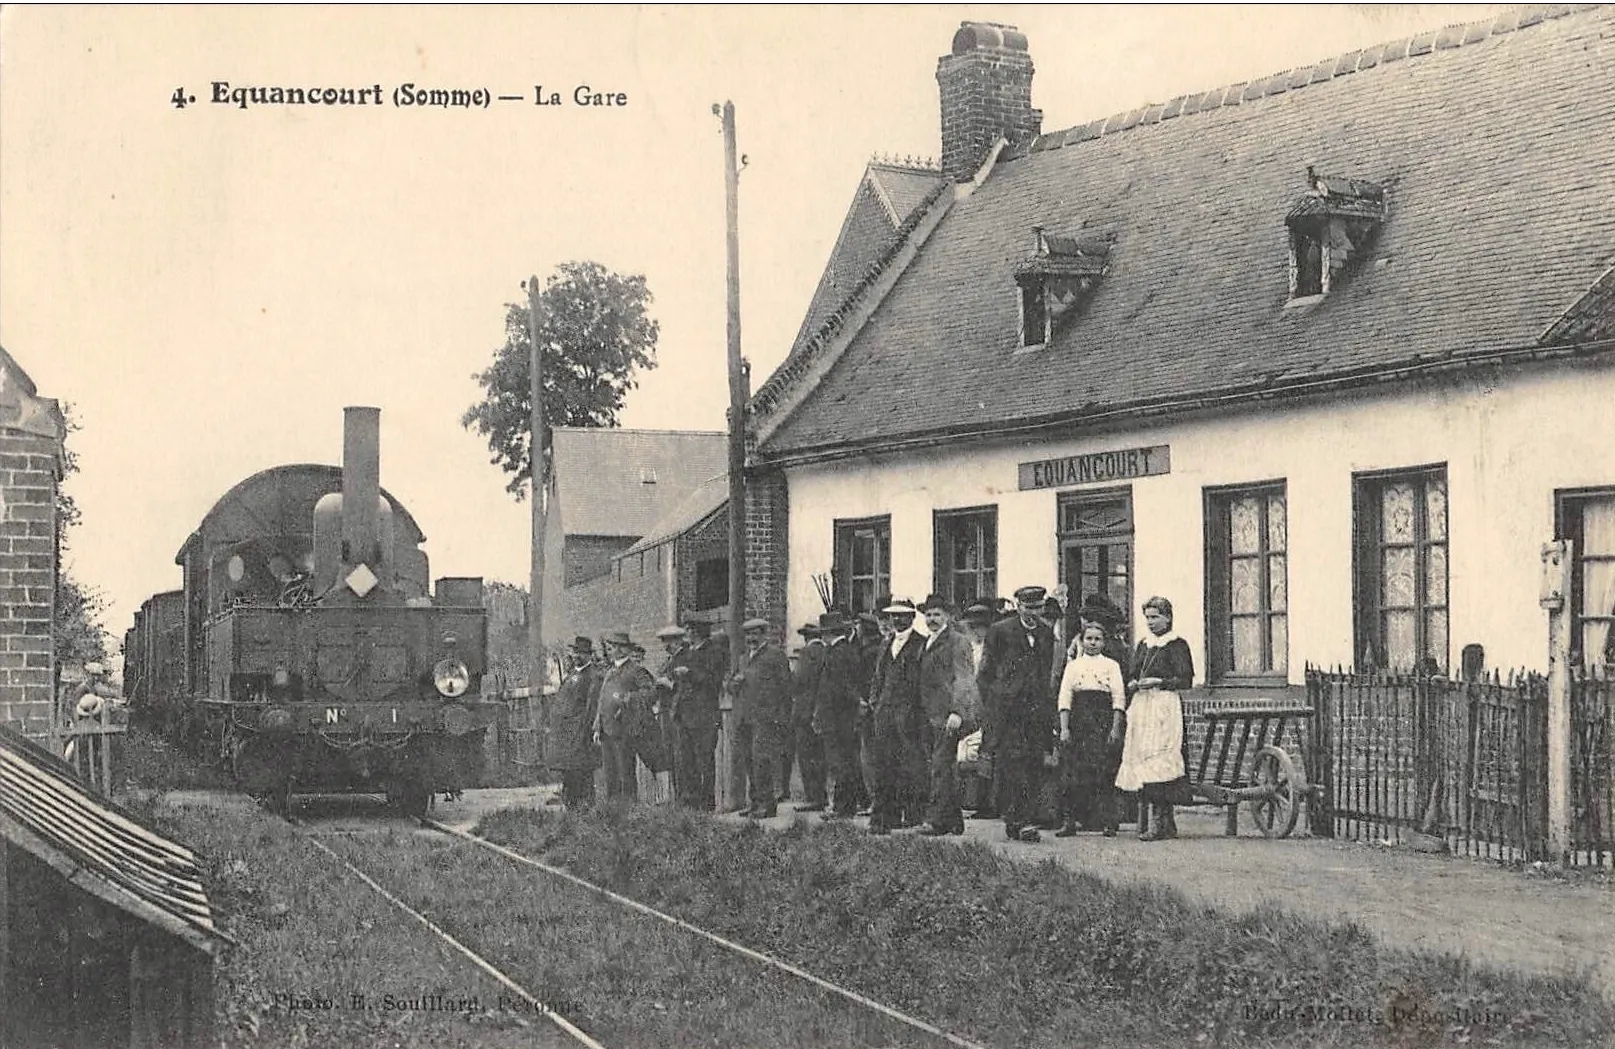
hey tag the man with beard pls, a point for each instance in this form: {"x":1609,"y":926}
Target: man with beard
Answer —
{"x":1017,"y":661}
{"x":570,"y":750}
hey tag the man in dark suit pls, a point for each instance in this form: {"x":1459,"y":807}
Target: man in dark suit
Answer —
{"x":948,"y":696}
{"x":1016,"y":662}
{"x":569,"y":747}
{"x":762,"y":691}
{"x":835,"y":715}
{"x":627,"y":691}
{"x":895,"y":698}
{"x":683,"y":685}
{"x":804,"y":696}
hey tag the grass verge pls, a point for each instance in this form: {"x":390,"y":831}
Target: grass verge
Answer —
{"x":1036,"y":955}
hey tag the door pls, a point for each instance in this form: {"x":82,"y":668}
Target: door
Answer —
{"x":1096,"y":548}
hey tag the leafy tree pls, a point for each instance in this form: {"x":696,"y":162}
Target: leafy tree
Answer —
{"x":78,"y":633}
{"x":593,"y":331}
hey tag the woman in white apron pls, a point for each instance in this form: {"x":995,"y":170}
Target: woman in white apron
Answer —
{"x":1152,"y":754}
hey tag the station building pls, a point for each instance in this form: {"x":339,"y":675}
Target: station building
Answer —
{"x":1324,"y":358}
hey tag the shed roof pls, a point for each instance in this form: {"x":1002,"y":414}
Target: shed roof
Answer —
{"x":1492,"y":141}
{"x":694,"y":508}
{"x":45,"y":810}
{"x":615,"y":482}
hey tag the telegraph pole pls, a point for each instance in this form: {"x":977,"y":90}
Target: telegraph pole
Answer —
{"x":539,"y":670}
{"x":737,"y":399}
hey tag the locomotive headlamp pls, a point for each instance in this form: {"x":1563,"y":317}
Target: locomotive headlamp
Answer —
{"x":451,"y":678}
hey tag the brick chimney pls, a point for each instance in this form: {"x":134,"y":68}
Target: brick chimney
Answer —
{"x":986,"y":89}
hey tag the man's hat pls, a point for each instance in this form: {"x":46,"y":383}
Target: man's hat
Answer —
{"x":698,"y":627}
{"x":936,"y":602}
{"x":669,"y":632}
{"x":582,"y":646}
{"x":881,"y":601}
{"x":868,"y":617}
{"x":832,"y":623}
{"x":899,"y":607}
{"x":1052,"y":609}
{"x":808,"y":630}
{"x":1031,"y":595}
{"x":979,"y":613}
{"x":754,"y":624}
{"x":1098,"y":606}
{"x":618,"y":637}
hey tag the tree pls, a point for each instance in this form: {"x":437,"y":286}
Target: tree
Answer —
{"x":593,"y":331}
{"x":77,"y":631}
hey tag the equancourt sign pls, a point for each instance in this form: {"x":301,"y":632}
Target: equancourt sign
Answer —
{"x":1121,"y":465}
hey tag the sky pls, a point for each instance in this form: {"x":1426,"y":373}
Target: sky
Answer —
{"x":207,"y":287}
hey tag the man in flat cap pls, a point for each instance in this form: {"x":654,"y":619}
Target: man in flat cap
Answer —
{"x":626,"y":694}
{"x":1015,"y":668}
{"x":674,"y":681}
{"x":569,"y":746}
{"x":809,"y":746}
{"x":948,"y":696}
{"x":762,"y":689}
{"x":895,"y":699}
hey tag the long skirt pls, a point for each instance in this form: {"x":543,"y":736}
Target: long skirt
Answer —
{"x":1087,"y":763}
{"x":1153,"y":749}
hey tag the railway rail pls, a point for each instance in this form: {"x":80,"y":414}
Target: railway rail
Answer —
{"x":572,"y":1030}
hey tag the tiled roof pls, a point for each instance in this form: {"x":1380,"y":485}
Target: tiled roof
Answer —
{"x":621,"y":482}
{"x":1492,"y":141}
{"x":691,"y":511}
{"x":887,"y":195}
{"x":45,"y":810}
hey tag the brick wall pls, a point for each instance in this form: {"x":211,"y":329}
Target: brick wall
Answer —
{"x":636,"y":602}
{"x":586,"y":557}
{"x":707,"y":541}
{"x":30,"y":467}
{"x":768,"y":512}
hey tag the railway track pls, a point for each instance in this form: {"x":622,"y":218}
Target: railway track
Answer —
{"x":571,"y":1030}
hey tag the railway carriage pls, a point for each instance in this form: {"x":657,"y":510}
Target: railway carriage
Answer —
{"x":314,"y":657}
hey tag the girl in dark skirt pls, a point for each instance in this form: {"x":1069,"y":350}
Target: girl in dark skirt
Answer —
{"x":1092,"y":699}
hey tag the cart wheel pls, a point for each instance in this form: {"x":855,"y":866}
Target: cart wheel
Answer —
{"x":1276,"y":812}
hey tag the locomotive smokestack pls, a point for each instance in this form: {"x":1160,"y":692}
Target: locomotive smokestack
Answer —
{"x":361,"y":486}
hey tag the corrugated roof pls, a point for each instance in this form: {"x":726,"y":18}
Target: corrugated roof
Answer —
{"x":601,"y":475}
{"x":44,"y":808}
{"x":1492,"y":141}
{"x":691,"y":511}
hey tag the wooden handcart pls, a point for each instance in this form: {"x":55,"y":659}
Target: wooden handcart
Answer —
{"x":1277,"y":781}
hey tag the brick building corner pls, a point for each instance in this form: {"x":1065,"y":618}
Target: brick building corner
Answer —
{"x":31,"y":459}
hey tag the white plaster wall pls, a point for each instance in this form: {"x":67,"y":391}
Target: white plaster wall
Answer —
{"x":1507,"y":444}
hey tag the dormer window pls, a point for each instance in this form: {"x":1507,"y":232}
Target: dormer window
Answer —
{"x":1057,"y":279}
{"x":1332,"y":222}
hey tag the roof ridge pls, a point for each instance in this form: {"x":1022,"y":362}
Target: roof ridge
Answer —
{"x":636,"y":430}
{"x":1447,"y":38}
{"x":908,"y":165}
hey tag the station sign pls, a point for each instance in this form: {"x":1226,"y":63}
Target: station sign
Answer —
{"x":1121,"y":465}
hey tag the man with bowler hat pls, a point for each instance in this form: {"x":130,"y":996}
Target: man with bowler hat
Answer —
{"x":698,"y":671}
{"x":570,"y":748}
{"x":626,"y":694}
{"x":762,"y":689}
{"x":680,"y":675}
{"x":835,"y":715}
{"x":1015,"y":668}
{"x":948,"y":696}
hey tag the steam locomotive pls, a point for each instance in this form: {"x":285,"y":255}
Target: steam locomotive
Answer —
{"x":304,"y":651}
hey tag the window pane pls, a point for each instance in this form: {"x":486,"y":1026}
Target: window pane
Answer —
{"x":1435,"y":576}
{"x":883,"y":548}
{"x":1090,"y":559}
{"x":1281,"y":643}
{"x":1244,"y":525}
{"x":1435,"y":646}
{"x":1277,"y":584}
{"x":1400,"y":643}
{"x":1598,"y":588}
{"x":1396,"y":516}
{"x":1398,"y":579}
{"x":863,"y":554}
{"x":964,"y":589}
{"x":965,"y":550}
{"x":1275,"y":523}
{"x":1248,"y":645}
{"x":1245,"y":585}
{"x":989,"y":585}
{"x":1435,"y":503}
{"x":863,"y":595}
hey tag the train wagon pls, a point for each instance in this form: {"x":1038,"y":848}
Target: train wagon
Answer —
{"x":315,"y":657}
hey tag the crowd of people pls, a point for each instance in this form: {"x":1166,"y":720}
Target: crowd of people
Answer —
{"x":873,"y":712}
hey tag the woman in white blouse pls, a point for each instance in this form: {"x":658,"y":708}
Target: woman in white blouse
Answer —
{"x":1093,"y":698}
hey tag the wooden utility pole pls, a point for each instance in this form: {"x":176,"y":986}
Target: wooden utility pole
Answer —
{"x":737,"y":399}
{"x":1556,"y":561}
{"x":539,"y":479}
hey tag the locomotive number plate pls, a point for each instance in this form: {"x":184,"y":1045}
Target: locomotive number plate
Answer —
{"x":335,"y":715}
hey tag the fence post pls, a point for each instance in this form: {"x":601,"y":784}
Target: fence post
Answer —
{"x":1556,"y":561}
